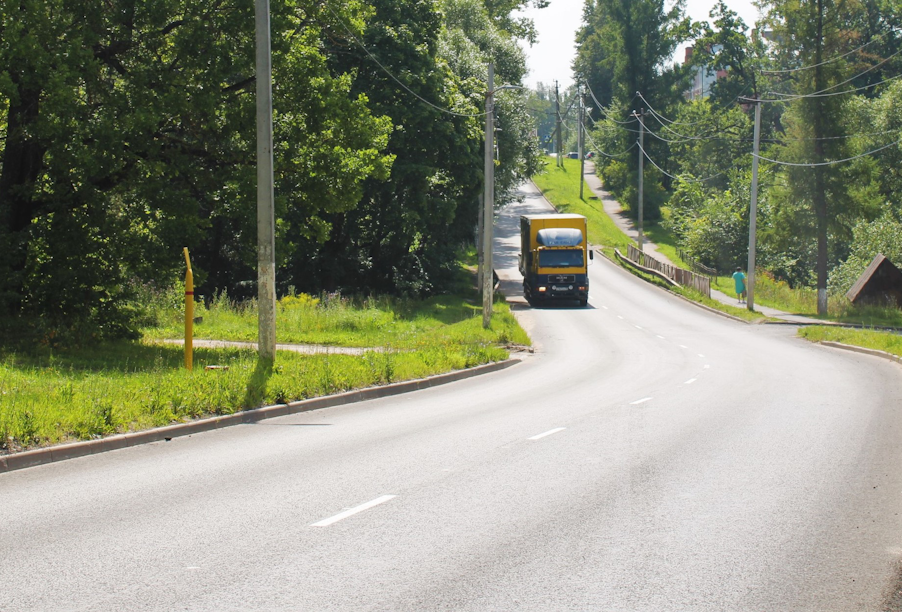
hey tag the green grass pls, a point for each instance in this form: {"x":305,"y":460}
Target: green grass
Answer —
{"x":52,"y":395}
{"x":561,"y":187}
{"x":666,"y":243}
{"x":741,"y":313}
{"x":882,"y":341}
{"x":346,"y":321}
{"x":803,"y":301}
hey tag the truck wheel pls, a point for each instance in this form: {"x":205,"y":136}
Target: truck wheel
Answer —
{"x":584,"y":303}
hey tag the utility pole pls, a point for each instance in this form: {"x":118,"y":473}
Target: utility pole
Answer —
{"x":266,"y":241}
{"x":640,"y":116}
{"x":480,"y":254}
{"x":489,"y":200}
{"x":753,"y":211}
{"x":580,"y":139}
{"x":557,"y":115}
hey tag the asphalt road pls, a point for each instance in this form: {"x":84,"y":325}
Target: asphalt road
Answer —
{"x":649,"y":456}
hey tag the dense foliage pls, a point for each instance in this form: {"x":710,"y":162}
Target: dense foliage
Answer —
{"x":127,"y":131}
{"x":826,"y":73}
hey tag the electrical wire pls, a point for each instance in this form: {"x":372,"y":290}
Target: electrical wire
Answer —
{"x":818,"y":94}
{"x":689,"y":124}
{"x":597,"y":149}
{"x":601,"y":107}
{"x":829,"y":163}
{"x":824,"y":63}
{"x":791,"y":97}
{"x":396,"y":79}
{"x":677,"y":178}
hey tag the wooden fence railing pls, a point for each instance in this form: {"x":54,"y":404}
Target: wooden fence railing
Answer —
{"x":683,"y":278}
{"x":696,"y":267}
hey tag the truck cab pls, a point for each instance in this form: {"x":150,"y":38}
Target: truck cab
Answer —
{"x":554,"y":258}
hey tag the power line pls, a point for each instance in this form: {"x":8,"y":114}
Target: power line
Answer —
{"x":829,"y":163}
{"x":389,"y":73}
{"x":818,"y":94}
{"x":602,"y":109}
{"x":597,"y":149}
{"x":791,"y":97}
{"x":677,"y":178}
{"x":824,"y":63}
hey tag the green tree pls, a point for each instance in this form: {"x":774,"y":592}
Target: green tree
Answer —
{"x":129,"y":133}
{"x":631,"y":42}
{"x":813,"y":35}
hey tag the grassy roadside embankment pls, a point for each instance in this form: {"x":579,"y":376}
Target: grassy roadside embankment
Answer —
{"x":881,"y":341}
{"x":561,"y":187}
{"x":53,"y":395}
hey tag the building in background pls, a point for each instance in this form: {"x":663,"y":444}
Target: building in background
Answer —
{"x":704,"y":77}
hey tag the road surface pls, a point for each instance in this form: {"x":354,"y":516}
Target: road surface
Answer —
{"x":649,"y":456}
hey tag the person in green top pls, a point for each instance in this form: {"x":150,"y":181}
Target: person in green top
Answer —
{"x":739,"y":279}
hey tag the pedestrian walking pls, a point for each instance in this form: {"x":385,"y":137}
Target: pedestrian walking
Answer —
{"x":739,"y":279}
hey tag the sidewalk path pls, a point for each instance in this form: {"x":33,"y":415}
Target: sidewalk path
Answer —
{"x":615,"y":211}
{"x":307,"y":349}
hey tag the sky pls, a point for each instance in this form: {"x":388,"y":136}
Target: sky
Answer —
{"x":550,"y":58}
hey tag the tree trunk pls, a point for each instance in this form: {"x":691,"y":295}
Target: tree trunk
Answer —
{"x":22,"y":161}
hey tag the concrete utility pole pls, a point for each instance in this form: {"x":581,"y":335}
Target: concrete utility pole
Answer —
{"x":580,"y":140}
{"x":557,"y":120}
{"x":640,"y":116}
{"x":753,"y":212}
{"x":266,"y":242}
{"x":489,"y":200}
{"x":480,"y":242}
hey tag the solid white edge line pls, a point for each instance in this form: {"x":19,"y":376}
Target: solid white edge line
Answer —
{"x":547,"y":433}
{"x":641,"y":401}
{"x":690,"y":381}
{"x":353,"y":511}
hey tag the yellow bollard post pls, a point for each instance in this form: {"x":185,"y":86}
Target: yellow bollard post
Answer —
{"x":189,"y":314}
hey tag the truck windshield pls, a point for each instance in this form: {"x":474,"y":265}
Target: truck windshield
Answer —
{"x":561,"y":258}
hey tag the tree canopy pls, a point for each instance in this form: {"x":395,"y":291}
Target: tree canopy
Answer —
{"x":127,"y":131}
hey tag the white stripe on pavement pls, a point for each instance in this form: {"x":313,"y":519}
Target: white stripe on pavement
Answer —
{"x":547,"y":433}
{"x":353,"y":511}
{"x":641,"y":401}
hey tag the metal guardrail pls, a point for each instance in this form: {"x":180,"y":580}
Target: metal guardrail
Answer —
{"x":683,"y":278}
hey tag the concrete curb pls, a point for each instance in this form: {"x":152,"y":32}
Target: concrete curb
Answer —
{"x":40,"y":456}
{"x":861,"y":349}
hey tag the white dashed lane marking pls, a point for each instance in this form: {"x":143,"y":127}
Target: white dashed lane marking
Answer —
{"x":641,"y":401}
{"x":547,"y":433}
{"x":352,"y":511}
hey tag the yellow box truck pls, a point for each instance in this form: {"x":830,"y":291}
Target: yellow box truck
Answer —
{"x":553,"y":258}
